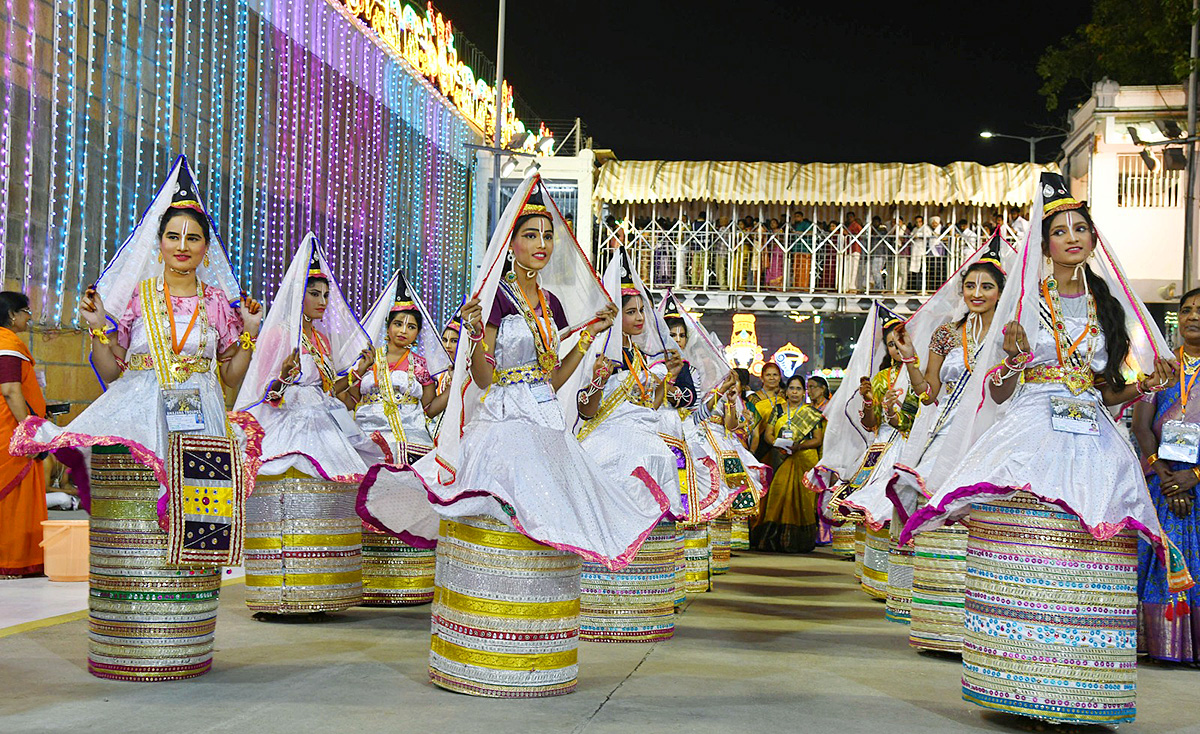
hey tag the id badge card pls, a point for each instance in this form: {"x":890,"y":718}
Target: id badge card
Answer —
{"x":1180,"y":442}
{"x":542,"y":392}
{"x":786,"y":433}
{"x":182,"y":407}
{"x":1073,"y":415}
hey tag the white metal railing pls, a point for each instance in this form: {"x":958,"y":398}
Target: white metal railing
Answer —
{"x":1138,"y":186}
{"x":799,"y":257}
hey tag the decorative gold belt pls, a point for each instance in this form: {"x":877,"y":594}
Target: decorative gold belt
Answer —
{"x":181,"y":363}
{"x":377,"y":397}
{"x":528,"y":373}
{"x":1075,"y":378}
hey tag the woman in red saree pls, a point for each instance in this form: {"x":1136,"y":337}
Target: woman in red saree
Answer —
{"x":22,"y":481}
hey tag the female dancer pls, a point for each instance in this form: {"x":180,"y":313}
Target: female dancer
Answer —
{"x":1171,"y":621}
{"x":520,"y":500}
{"x":845,"y":450}
{"x":939,"y":556}
{"x":22,"y":479}
{"x":155,"y":569}
{"x":1053,"y":489}
{"x":303,"y":538}
{"x":393,"y":387}
{"x":888,"y":411}
{"x":621,"y":411}
{"x":788,"y":523}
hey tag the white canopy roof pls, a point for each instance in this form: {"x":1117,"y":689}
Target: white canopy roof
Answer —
{"x":972,"y":184}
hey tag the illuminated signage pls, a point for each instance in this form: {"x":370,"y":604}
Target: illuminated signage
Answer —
{"x":426,"y":41}
{"x":744,"y":349}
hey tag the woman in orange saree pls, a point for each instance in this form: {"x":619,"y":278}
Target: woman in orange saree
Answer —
{"x":22,"y":481}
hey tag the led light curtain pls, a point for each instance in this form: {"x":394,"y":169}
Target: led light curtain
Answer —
{"x":293,"y":119}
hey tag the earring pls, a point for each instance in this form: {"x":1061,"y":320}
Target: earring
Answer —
{"x":510,"y":256}
{"x":160,"y":256}
{"x":206,"y":259}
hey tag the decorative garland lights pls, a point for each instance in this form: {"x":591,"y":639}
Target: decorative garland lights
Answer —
{"x":296,"y":115}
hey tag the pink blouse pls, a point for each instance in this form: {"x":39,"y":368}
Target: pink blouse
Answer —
{"x":221,"y":316}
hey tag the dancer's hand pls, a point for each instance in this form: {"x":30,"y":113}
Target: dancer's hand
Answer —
{"x":472,"y":315}
{"x":91,"y":308}
{"x":604,"y":320}
{"x":251,"y":312}
{"x":1015,"y":340}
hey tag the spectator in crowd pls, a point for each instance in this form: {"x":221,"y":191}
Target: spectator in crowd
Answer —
{"x":22,"y":478}
{"x":697,"y":251}
{"x":1019,"y":224}
{"x":919,"y":239}
{"x":856,"y":271}
{"x":970,"y":238}
{"x":773,"y":254}
{"x":878,"y":254}
{"x":936,"y":259}
{"x":899,"y":245}
{"x":720,"y":254}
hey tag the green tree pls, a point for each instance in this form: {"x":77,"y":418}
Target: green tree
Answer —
{"x":1129,"y":41}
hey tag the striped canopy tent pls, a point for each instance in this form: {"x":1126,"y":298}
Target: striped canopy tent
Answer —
{"x":860,"y":184}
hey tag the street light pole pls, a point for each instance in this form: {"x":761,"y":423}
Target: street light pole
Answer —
{"x":499,"y":118}
{"x":1033,"y":141}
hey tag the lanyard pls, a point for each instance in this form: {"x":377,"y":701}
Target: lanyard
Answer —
{"x":634,"y":368}
{"x":1185,"y":386}
{"x":1060,"y":327}
{"x":544,"y":332}
{"x":177,"y":345}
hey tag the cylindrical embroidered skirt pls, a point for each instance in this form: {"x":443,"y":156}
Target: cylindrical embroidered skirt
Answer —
{"x":697,"y":552}
{"x":637,"y":603}
{"x":739,"y":534}
{"x":843,"y":539}
{"x":1051,"y":615}
{"x":876,"y":548}
{"x":720,"y":534}
{"x":505,"y":613}
{"x":680,"y":567}
{"x":148,"y":620}
{"x":395,"y":574}
{"x":900,"y":577}
{"x":303,"y":545}
{"x":939,"y":573}
{"x":860,"y":549}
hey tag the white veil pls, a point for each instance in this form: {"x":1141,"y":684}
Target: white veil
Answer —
{"x":1020,"y":302}
{"x":945,"y":306}
{"x":137,"y":257}
{"x":568,"y":275}
{"x":655,"y":338}
{"x":429,"y":341}
{"x":280,"y":333}
{"x":703,"y":350}
{"x":845,"y":438}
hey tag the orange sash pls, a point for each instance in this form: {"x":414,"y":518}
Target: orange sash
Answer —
{"x":13,"y":469}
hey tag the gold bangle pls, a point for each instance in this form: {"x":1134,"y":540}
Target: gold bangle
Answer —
{"x":1151,"y":459}
{"x":100,"y":334}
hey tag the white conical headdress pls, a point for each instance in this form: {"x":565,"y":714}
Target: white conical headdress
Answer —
{"x":429,"y":341}
{"x":280,"y":333}
{"x":137,"y":258}
{"x":704,"y":351}
{"x":655,"y":339}
{"x":568,"y":275}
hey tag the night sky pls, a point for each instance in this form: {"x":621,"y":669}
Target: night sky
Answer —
{"x":784,"y":81}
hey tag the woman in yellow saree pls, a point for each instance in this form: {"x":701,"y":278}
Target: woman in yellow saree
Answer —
{"x":788,"y":523}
